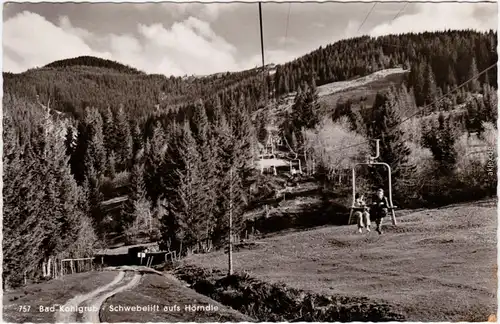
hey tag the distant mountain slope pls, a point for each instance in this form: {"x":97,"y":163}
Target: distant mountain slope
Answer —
{"x":437,"y":62}
{"x":92,"y":61}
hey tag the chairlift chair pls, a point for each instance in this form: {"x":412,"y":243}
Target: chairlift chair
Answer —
{"x":372,"y":161}
{"x":296,"y":161}
{"x":267,"y":157}
{"x":473,"y":140}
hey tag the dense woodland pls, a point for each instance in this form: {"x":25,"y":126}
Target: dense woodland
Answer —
{"x":82,"y":131}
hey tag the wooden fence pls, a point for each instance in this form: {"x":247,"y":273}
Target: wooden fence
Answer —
{"x":55,"y":268}
{"x":77,"y":265}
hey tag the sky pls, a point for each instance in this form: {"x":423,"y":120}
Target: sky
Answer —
{"x":199,"y":38}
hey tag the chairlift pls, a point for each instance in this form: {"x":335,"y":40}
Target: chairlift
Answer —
{"x":372,"y":161}
{"x":296,"y":161}
{"x":267,"y":157}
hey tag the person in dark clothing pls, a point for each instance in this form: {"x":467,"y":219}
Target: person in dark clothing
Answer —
{"x":378,"y":209}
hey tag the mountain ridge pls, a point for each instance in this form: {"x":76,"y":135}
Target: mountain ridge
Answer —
{"x":73,"y":84}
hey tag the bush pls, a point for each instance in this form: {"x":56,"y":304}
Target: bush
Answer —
{"x":326,"y":140}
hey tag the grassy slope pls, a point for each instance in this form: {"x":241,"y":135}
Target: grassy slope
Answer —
{"x":355,"y":89}
{"x":166,"y":291}
{"x":372,"y":84}
{"x":439,"y":265}
{"x":53,"y":292}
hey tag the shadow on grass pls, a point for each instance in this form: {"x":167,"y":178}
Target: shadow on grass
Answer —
{"x":323,"y":213}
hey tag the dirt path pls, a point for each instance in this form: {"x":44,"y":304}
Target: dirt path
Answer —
{"x":70,"y":317}
{"x":97,"y":301}
{"x":92,"y":302}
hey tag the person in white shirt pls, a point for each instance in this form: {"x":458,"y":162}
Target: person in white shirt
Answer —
{"x":362,"y":215}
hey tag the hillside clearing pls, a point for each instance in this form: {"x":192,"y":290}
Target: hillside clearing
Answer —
{"x":334,"y":87}
{"x":439,"y":265}
{"x":366,"y":86}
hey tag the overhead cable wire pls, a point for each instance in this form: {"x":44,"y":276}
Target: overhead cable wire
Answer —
{"x":287,"y":22}
{"x":261,"y":35}
{"x":400,"y":11}
{"x":366,"y":18}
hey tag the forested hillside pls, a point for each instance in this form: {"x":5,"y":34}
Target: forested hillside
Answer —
{"x":438,"y":60}
{"x":182,"y":150}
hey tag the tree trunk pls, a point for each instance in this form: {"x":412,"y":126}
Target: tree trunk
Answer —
{"x":49,"y":268}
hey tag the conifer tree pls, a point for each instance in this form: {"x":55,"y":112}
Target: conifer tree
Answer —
{"x":137,"y":215}
{"x":206,"y":146}
{"x":186,"y":209}
{"x":95,"y":154}
{"x":490,"y":98}
{"x":77,"y":159}
{"x":199,"y":123}
{"x":440,"y":139}
{"x":407,"y":101}
{"x":474,"y":119}
{"x":155,"y":150}
{"x":95,"y":198}
{"x":419,"y":81}
{"x":474,"y":84}
{"x":48,"y":222}
{"x":108,"y":129}
{"x":430,"y":88}
{"x":393,"y":148}
{"x":137,"y":140}
{"x":452,"y":80}
{"x":111,"y":172}
{"x":124,"y":140}
{"x":71,"y":139}
{"x":235,"y":171}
